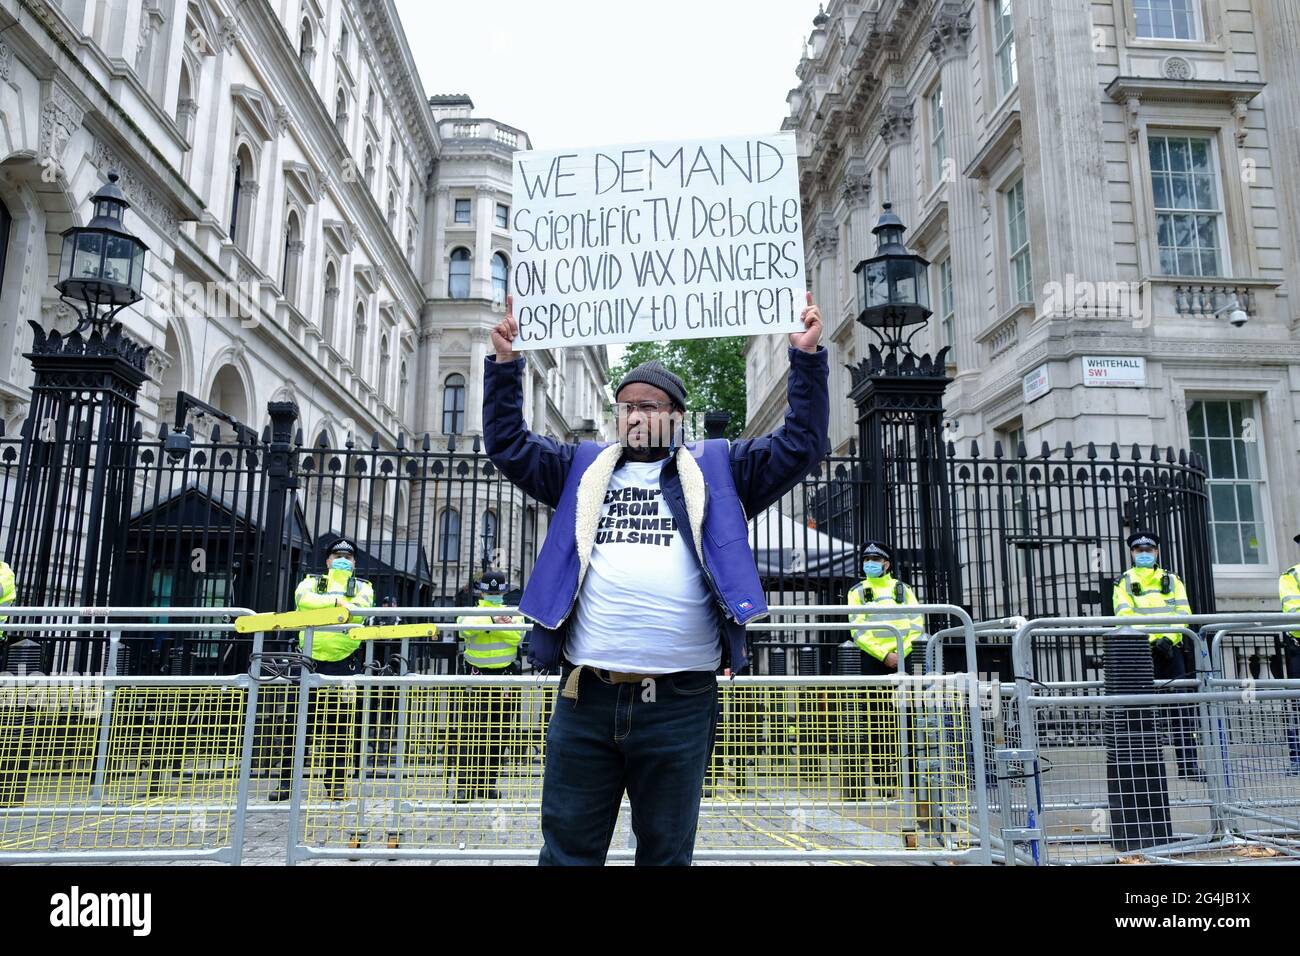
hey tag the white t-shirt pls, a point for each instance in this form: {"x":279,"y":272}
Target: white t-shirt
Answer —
{"x":644,"y":606}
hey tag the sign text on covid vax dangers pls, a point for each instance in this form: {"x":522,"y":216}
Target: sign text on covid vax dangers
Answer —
{"x":671,"y":240}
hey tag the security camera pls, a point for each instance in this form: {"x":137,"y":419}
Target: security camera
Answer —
{"x":1233,"y":312}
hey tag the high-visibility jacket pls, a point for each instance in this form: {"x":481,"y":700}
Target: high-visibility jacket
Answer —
{"x":884,"y":591}
{"x":8,"y":589}
{"x":490,"y":648}
{"x":1151,"y":591}
{"x":1288,"y":589}
{"x":317,"y":590}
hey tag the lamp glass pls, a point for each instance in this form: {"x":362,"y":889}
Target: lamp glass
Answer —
{"x":86,"y":261}
{"x":118,"y":254}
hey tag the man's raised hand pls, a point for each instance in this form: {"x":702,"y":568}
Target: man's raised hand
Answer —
{"x":811,"y":317}
{"x":503,"y":336}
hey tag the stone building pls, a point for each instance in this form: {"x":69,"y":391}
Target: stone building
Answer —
{"x":1103,"y":191}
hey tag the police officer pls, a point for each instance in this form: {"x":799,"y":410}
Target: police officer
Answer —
{"x":1146,"y":589}
{"x":880,"y":589}
{"x":333,"y":653}
{"x":490,"y":649}
{"x":8,"y":592}
{"x":1288,"y":587}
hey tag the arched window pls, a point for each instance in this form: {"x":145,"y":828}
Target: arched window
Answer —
{"x":458,"y":278}
{"x":384,"y":360}
{"x":343,"y":41}
{"x":341,"y":113}
{"x":392,"y":210}
{"x":402,"y":380}
{"x":370,"y":166}
{"x":359,"y":341}
{"x":500,"y":277}
{"x":449,"y":535}
{"x":453,"y":404}
{"x":306,"y":44}
{"x":331,"y":303}
{"x":242,"y":192}
{"x":410,"y":244}
{"x":185,"y":104}
{"x":292,"y":255}
{"x":370,"y":102}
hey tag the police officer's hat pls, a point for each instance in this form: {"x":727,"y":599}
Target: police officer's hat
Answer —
{"x":875,"y":549}
{"x":1147,"y":539}
{"x":343,"y":545}
{"x":491,"y":582}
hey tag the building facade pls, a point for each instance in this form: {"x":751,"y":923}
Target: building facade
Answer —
{"x":301,"y":198}
{"x":1102,"y":191}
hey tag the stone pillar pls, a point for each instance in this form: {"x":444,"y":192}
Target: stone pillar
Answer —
{"x":1064,"y":155}
{"x":1277,"y":31}
{"x":478,"y":350}
{"x":429,"y":381}
{"x":485,"y":209}
{"x":896,"y":133}
{"x":949,"y":38}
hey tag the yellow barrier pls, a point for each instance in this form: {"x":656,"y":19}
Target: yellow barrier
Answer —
{"x":292,"y":620}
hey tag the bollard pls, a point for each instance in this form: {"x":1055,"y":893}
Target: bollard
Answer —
{"x":809,"y":660}
{"x":848,"y":659}
{"x":1135,"y":767}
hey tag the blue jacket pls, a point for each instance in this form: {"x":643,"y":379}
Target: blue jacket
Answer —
{"x":737,"y":479}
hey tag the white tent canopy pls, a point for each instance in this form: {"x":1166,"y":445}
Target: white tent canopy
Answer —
{"x":784,"y":546}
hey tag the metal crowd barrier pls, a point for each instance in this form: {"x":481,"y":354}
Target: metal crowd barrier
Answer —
{"x":390,"y":763}
{"x":1196,"y":770}
{"x":105,"y":768}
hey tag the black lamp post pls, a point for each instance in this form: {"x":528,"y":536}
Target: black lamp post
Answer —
{"x":80,"y":438}
{"x":102,"y":265}
{"x":893,"y":289}
{"x":902,"y":497}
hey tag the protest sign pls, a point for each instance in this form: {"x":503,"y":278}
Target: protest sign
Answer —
{"x":669,"y":240}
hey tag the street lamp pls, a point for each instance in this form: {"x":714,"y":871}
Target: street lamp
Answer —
{"x":102,"y":265}
{"x":893,"y":292}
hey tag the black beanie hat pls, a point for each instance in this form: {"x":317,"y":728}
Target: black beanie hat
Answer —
{"x":653,"y":373}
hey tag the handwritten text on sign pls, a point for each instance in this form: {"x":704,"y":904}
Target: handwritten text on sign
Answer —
{"x":675,"y":240}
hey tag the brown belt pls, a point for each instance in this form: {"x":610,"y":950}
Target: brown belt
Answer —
{"x":570,"y":689}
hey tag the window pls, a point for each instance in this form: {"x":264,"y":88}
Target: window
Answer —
{"x":1022,"y":277}
{"x":370,"y":167}
{"x":500,"y":280}
{"x":306,"y":46}
{"x":449,"y":536}
{"x":343,"y":41}
{"x":458,"y":278}
{"x":462,"y":210}
{"x":292,"y":257}
{"x":341,"y":113}
{"x":1004,"y":46}
{"x":370,"y":102}
{"x":947,"y":317}
{"x":391,"y":213}
{"x":385,"y":359}
{"x":331,"y":303}
{"x":503,"y":215}
{"x":1167,"y":19}
{"x":453,"y":405}
{"x":1185,"y":194}
{"x":241,"y":197}
{"x":938,"y":148}
{"x":1224,"y":434}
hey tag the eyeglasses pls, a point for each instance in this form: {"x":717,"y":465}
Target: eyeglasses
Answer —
{"x":623,"y":409}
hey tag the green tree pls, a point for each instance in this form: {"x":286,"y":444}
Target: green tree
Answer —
{"x":713,"y":370}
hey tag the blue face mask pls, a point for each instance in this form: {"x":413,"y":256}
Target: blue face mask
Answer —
{"x":873,"y":569}
{"x":1145,"y":560}
{"x":340,"y":564}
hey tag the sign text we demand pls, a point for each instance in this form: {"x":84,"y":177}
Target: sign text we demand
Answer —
{"x":685,"y":239}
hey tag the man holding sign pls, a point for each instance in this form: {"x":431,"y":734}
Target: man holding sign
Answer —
{"x":643,"y":588}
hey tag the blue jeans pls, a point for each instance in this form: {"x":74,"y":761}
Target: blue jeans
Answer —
{"x":616,"y":737}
